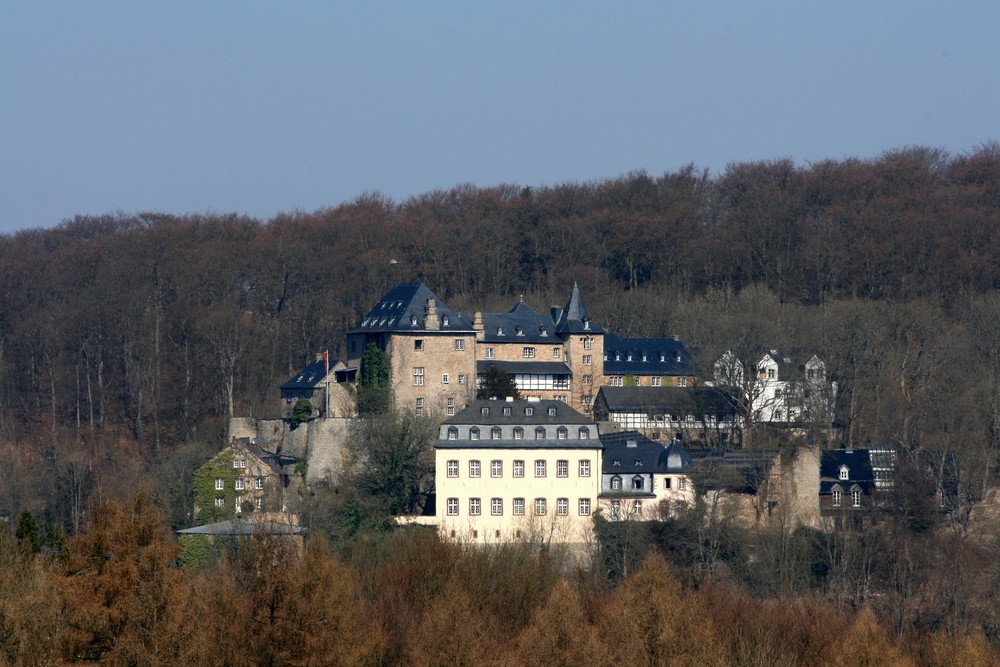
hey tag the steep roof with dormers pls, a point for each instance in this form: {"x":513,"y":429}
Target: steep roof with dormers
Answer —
{"x":499,"y":412}
{"x":520,"y":325}
{"x":681,"y":401}
{"x":647,"y":356}
{"x":403,"y":309}
{"x":574,"y":318}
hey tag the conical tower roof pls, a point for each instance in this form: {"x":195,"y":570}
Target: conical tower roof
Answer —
{"x":574,"y":318}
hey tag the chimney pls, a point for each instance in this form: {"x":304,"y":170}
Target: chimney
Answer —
{"x":477,"y":321}
{"x":431,"y":320}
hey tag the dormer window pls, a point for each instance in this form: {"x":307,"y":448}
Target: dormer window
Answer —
{"x":586,"y":324}
{"x":484,"y":411}
{"x":552,"y":412}
{"x":616,"y":463}
{"x":506,"y":411}
{"x":495,"y":433}
{"x":413,"y":320}
{"x":529,"y":411}
{"x":644,"y":356}
{"x":638,"y":463}
{"x":518,"y":331}
{"x":845,"y":473}
{"x":663,"y":357}
{"x":474,"y":433}
{"x":637,"y":483}
{"x":452,"y":433}
{"x":499,"y":331}
{"x":544,"y":332}
{"x":628,"y":357}
{"x":618,"y":356}
{"x":616,"y":483}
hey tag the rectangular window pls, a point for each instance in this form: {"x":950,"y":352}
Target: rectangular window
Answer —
{"x":459,"y":344}
{"x":588,"y":360}
{"x":519,"y":506}
{"x":445,"y":379}
{"x":220,"y":501}
{"x":584,"y":468}
{"x":555,"y":353}
{"x":496,"y":507}
{"x":496,"y":468}
{"x":588,"y":380}
{"x":682,"y":381}
{"x":489,"y":353}
{"x":418,"y":376}
{"x":540,"y":506}
{"x":615,"y":381}
{"x":258,"y":503}
{"x":855,"y":498}
{"x":540,"y":468}
{"x":418,"y":345}
{"x":259,"y":482}
{"x":474,"y":469}
{"x":474,"y":507}
{"x":656,"y":381}
{"x":528,"y":352}
{"x":836,"y":498}
{"x":453,"y":507}
{"x":220,"y":484}
{"x":562,"y":506}
{"x":584,"y":506}
{"x":518,"y":468}
{"x":420,"y":407}
{"x":239,"y":503}
{"x":461,"y":378}
{"x":451,"y":407}
{"x":637,"y":507}
{"x":243,"y":463}
{"x":452,"y":468}
{"x":682,"y":483}
{"x":562,"y":468}
{"x":587,"y":343}
{"x":240,"y":484}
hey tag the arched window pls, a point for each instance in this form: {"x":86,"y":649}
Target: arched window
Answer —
{"x":637,"y":483}
{"x":474,"y":433}
{"x":452,"y":433}
{"x":495,"y":433}
{"x":518,"y":433}
{"x":616,"y":483}
{"x":562,"y":433}
{"x":540,"y":433}
{"x":584,"y":433}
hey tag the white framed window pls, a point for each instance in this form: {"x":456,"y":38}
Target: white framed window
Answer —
{"x":845,"y":473}
{"x":451,"y":407}
{"x":259,"y":483}
{"x":518,"y":468}
{"x":616,"y":510}
{"x":239,"y":503}
{"x":496,"y":506}
{"x":528,"y":352}
{"x":682,"y":483}
{"x":615,"y":381}
{"x":562,"y":468}
{"x":588,"y":360}
{"x":682,"y":381}
{"x":588,"y":380}
{"x":418,"y":376}
{"x":258,"y":503}
{"x":540,"y":506}
{"x":240,"y":484}
{"x":452,"y":468}
{"x":459,"y":344}
{"x":583,"y":433}
{"x":584,"y":506}
{"x":506,"y":411}
{"x":474,"y":507}
{"x":519,"y":506}
{"x":453,"y":433}
{"x":588,"y":343}
{"x":529,"y":411}
{"x":771,"y":373}
{"x":562,"y":506}
{"x":584,"y":468}
{"x":616,"y":483}
{"x":561,"y":433}
{"x":496,"y":468}
{"x":518,"y":433}
{"x":637,"y":507}
{"x":484,"y":411}
{"x":445,"y":379}
{"x":474,"y":433}
{"x":489,"y":353}
{"x":220,"y":484}
{"x":419,"y":410}
{"x":453,"y":507}
{"x":540,"y":433}
{"x":242,"y":463}
{"x":461,"y":378}
{"x":220,"y":501}
{"x":855,"y":497}
{"x":586,"y":400}
{"x":540,"y":468}
{"x":552,"y":412}
{"x":555,"y":353}
{"x":836,"y":497}
{"x":474,"y":468}
{"x":656,"y":381}
{"x":495,"y":433}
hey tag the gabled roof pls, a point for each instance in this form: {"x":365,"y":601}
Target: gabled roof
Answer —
{"x":682,"y":401}
{"x":403,"y":309}
{"x":520,"y":325}
{"x":646,"y":356}
{"x":473,"y":414}
{"x":859,"y":468}
{"x":311,"y":376}
{"x":574,"y":318}
{"x":638,"y":454}
{"x":243,"y":526}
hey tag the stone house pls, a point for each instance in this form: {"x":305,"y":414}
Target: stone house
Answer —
{"x":321,"y":382}
{"x":241,"y":480}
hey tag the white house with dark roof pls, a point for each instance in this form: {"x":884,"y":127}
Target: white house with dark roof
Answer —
{"x":642,"y":479}
{"x":517,"y":470}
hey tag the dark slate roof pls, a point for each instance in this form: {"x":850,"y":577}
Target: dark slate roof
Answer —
{"x":735,"y":470}
{"x":526,"y":367}
{"x":527,"y":443}
{"x":649,"y":356}
{"x":681,"y":401}
{"x":858,"y":462}
{"x":564,"y":414}
{"x":243,"y":526}
{"x":521,"y":325}
{"x":574,"y":318}
{"x":403,"y":309}
{"x":310,"y":376}
{"x":655,"y":457}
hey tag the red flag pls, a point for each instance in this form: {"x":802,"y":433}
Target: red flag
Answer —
{"x":326,"y":361}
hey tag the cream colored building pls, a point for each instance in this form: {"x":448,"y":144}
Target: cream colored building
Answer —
{"x":643,"y":480}
{"x":517,"y":470}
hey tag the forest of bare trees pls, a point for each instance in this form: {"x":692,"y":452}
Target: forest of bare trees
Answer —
{"x":127,"y":341}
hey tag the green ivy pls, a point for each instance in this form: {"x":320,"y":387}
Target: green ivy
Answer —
{"x":196,"y":551}
{"x":205,"y":492}
{"x":631,"y":381}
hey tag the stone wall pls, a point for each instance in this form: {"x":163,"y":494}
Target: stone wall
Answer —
{"x":320,"y":443}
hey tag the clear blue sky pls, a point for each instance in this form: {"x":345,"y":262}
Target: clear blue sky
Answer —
{"x":253,"y":107}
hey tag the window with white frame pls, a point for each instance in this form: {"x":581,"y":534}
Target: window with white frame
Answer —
{"x":259,"y":482}
{"x":561,"y":433}
{"x":258,"y":503}
{"x":583,"y":433}
{"x":240,"y":484}
{"x":489,"y":353}
{"x":540,"y":468}
{"x":552,"y":412}
{"x":588,"y":360}
{"x":518,"y":468}
{"x":562,"y":468}
{"x":518,"y":433}
{"x":656,"y":381}
{"x":588,"y":343}
{"x":459,"y":344}
{"x":452,"y":468}
{"x":506,"y":411}
{"x":220,"y":484}
{"x":419,"y":410}
{"x":771,"y":373}
{"x":682,"y":381}
{"x":588,"y":380}
{"x":496,"y":506}
{"x":616,"y":510}
{"x":461,"y":378}
{"x":616,"y":483}
{"x":495,"y":433}
{"x":474,"y":507}
{"x":418,"y":376}
{"x":528,"y":352}
{"x":519,"y":506}
{"x":682,"y":483}
{"x":540,"y":506}
{"x":474,"y":433}
{"x":474,"y":468}
{"x":540,"y":433}
{"x":239,"y":503}
{"x":496,"y":468}
{"x":637,"y":507}
{"x":584,"y":506}
{"x":855,"y":497}
{"x":453,"y":507}
{"x":555,"y":353}
{"x":836,"y":497}
{"x":584,"y":468}
{"x":845,"y":473}
{"x":562,"y":506}
{"x":445,"y":379}
{"x":529,"y":411}
{"x":452,"y":433}
{"x":220,"y":501}
{"x":615,"y":381}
